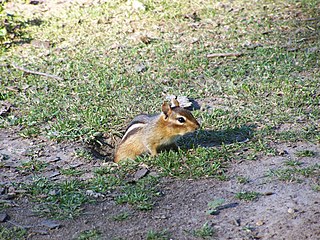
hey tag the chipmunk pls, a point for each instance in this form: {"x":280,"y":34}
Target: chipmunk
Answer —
{"x":153,"y":134}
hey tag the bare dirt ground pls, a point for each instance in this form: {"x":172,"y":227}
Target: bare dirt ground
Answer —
{"x":283,"y":211}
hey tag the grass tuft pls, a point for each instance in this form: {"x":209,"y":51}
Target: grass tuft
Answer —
{"x":247,"y":196}
{"x":204,"y":232}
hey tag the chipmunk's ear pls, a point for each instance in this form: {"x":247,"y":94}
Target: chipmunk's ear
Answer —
{"x":174,"y":102}
{"x":166,"y":109}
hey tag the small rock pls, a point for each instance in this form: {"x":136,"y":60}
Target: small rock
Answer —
{"x":141,"y":68}
{"x":311,"y":50}
{"x":259,"y":223}
{"x":141,"y":173}
{"x":4,"y":217}
{"x":291,"y":210}
{"x":283,"y":152}
{"x":160,"y":217}
{"x":40,"y":44}
{"x":54,"y":192}
{"x":2,"y":190}
{"x":94,"y":194}
{"x":137,"y":5}
{"x":236,"y":222}
{"x":5,"y":109}
{"x":51,"y":224}
{"x":154,"y":174}
{"x":11,"y":190}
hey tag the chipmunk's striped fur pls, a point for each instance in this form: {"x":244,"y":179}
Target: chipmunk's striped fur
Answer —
{"x":155,"y":133}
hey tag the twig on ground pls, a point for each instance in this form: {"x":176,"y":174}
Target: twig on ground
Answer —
{"x":235,"y":54}
{"x":35,"y":72}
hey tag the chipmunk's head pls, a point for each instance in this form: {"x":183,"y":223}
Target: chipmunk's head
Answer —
{"x":178,"y":120}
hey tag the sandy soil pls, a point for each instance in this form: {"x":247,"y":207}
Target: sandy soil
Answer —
{"x":283,"y":211}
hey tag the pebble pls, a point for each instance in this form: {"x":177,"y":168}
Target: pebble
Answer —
{"x":3,"y":217}
{"x":291,"y":210}
{"x":140,"y":173}
{"x":50,"y":224}
{"x":259,"y":223}
{"x":140,"y":68}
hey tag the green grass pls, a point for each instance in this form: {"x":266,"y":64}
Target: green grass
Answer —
{"x":305,"y":153}
{"x":32,"y":166}
{"x":275,"y":83}
{"x":71,"y":172}
{"x":121,"y":216}
{"x":157,"y":235}
{"x":242,"y":179}
{"x":58,"y":200}
{"x":89,"y":235}
{"x":247,"y":195}
{"x":204,"y":232}
{"x":140,"y":194}
{"x":12,"y":233}
{"x":65,"y":199}
{"x":69,"y":110}
{"x":296,"y":173}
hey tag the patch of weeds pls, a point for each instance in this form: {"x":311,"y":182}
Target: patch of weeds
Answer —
{"x":200,"y":162}
{"x":247,"y":196}
{"x":12,"y":233}
{"x":214,"y":206}
{"x":287,"y":175}
{"x":120,"y":217}
{"x":294,"y":174}
{"x":157,"y":235}
{"x":104,"y":183}
{"x":139,"y":194}
{"x":305,"y":153}
{"x":298,"y":135}
{"x":293,"y":163}
{"x":31,"y":131}
{"x":32,"y":166}
{"x":316,"y":187}
{"x":58,"y":200}
{"x":204,"y":232}
{"x":83,"y":153}
{"x":242,"y":179}
{"x":93,"y":234}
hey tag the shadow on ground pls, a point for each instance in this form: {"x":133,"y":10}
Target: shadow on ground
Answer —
{"x":212,"y":138}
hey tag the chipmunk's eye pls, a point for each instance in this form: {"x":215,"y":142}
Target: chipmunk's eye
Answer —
{"x":181,"y":119}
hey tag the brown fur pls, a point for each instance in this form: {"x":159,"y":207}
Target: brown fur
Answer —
{"x":155,"y":133}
